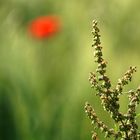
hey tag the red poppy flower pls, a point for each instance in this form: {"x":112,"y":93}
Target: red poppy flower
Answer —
{"x":44,"y":27}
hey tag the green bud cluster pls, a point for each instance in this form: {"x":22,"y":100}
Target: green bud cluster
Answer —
{"x":125,"y":79}
{"x":127,"y":126}
{"x":95,"y":120}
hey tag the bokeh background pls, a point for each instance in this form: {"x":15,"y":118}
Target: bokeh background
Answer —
{"x":44,"y":83}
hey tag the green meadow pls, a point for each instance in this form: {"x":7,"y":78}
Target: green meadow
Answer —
{"x":44,"y":82}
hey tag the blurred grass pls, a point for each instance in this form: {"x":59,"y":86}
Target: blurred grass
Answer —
{"x":43,"y":84}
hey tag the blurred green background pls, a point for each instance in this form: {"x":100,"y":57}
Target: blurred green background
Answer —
{"x":44,"y":83}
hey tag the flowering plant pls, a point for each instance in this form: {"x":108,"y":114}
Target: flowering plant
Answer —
{"x":127,"y":126}
{"x":44,"y":26}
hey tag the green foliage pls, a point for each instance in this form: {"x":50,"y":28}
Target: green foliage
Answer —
{"x":45,"y":81}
